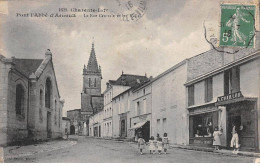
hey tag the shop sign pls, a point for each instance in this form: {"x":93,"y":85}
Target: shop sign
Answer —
{"x":230,"y":96}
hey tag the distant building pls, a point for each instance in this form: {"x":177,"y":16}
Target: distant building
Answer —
{"x":75,"y":121}
{"x":121,"y":102}
{"x":30,"y":105}
{"x":65,"y":126}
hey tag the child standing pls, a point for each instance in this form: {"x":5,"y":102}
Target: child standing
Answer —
{"x":152,"y":145}
{"x":141,"y":143}
{"x":216,"y":138}
{"x":159,"y":145}
{"x":165,"y":142}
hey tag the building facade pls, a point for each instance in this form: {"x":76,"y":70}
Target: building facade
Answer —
{"x":141,"y":108}
{"x":223,"y":89}
{"x":31,"y":107}
{"x":169,"y":113}
{"x":121,"y":102}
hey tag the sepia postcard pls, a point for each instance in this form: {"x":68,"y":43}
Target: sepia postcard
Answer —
{"x":129,"y":81}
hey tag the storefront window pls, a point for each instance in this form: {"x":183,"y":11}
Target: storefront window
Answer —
{"x":202,"y":125}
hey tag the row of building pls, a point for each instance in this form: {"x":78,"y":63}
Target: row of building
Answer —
{"x":187,"y":101}
{"x":30,"y":103}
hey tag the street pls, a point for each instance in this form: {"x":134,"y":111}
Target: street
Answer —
{"x":91,"y":150}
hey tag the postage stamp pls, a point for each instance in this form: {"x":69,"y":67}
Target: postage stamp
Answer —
{"x":237,"y":25}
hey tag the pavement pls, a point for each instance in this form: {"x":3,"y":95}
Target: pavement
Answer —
{"x":81,"y":149}
{"x":221,"y":151}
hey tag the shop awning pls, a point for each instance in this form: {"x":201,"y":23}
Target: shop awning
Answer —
{"x":222,"y":103}
{"x":138,"y":125}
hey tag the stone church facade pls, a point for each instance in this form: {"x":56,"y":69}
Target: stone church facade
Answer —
{"x":30,"y":105}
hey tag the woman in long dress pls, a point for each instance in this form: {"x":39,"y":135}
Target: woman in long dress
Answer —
{"x":216,"y":138}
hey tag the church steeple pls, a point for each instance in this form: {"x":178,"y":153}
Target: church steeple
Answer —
{"x":92,"y":62}
{"x":92,"y":75}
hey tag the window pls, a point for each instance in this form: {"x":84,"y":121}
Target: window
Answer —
{"x":202,"y":125}
{"x":20,"y":100}
{"x":95,"y":82}
{"x":208,"y":90}
{"x":55,"y":112}
{"x":191,"y":95}
{"x":48,"y":93}
{"x":144,"y":91}
{"x":144,"y":106}
{"x":89,"y":82}
{"x":164,"y":125}
{"x":232,"y":81}
{"x":138,"y":108}
{"x":59,"y":117}
{"x":41,"y":105}
{"x":158,"y":126}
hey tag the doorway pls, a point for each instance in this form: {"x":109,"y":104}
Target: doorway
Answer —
{"x":243,"y":114}
{"x":72,"y":129}
{"x":48,"y":125}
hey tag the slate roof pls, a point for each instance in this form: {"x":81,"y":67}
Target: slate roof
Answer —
{"x":129,"y":80}
{"x":27,"y":66}
{"x":92,"y":62}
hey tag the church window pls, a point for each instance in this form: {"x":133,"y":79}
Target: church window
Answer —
{"x":55,"y":112}
{"x":20,"y":100}
{"x":48,"y":93}
{"x":41,"y":105}
{"x":89,"y":82}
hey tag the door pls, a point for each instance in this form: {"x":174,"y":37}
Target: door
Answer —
{"x":48,"y":125}
{"x":72,"y":129}
{"x":123,"y":128}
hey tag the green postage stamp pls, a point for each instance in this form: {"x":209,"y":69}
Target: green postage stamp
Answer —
{"x":237,"y":25}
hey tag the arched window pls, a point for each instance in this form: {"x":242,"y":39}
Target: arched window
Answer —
{"x":20,"y":99}
{"x":89,"y":82}
{"x":41,"y":105}
{"x":48,"y":93}
{"x":55,"y":112}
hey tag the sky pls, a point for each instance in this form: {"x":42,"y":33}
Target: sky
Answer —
{"x":168,"y":32}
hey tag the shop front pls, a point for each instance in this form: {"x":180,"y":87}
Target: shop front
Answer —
{"x":202,"y":121}
{"x":242,"y":112}
{"x":140,"y":125}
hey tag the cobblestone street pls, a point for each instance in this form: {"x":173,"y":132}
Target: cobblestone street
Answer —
{"x":81,"y":149}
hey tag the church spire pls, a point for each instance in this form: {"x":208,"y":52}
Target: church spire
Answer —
{"x":92,"y":62}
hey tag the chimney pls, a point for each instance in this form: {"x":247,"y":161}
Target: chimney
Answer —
{"x":48,"y":53}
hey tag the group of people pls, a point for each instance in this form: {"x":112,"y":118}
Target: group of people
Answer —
{"x":160,"y":144}
{"x":234,"y":141}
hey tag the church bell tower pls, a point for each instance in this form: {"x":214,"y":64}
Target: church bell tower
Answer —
{"x":91,"y":83}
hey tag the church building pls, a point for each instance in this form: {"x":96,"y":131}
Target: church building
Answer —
{"x":30,"y":103}
{"x":91,"y":97}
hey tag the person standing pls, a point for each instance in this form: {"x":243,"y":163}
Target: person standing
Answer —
{"x":165,"y":142}
{"x":159,"y":145}
{"x":235,"y":139}
{"x":141,"y":143}
{"x":216,"y":138}
{"x":152,"y":145}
